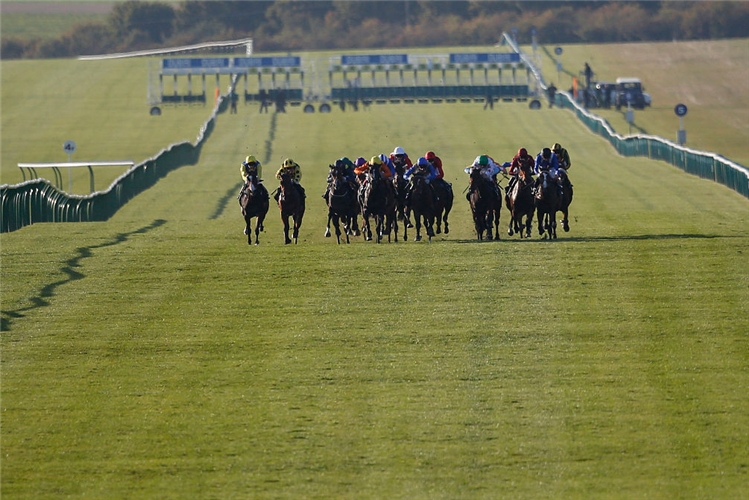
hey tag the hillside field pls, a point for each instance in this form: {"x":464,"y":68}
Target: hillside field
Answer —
{"x":157,"y":355}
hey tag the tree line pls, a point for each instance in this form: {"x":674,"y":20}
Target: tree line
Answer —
{"x":285,"y":25}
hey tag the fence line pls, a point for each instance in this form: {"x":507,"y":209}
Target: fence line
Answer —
{"x":702,"y":163}
{"x":37,"y":200}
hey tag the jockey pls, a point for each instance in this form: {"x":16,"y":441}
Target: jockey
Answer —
{"x":562,"y":156}
{"x":291,"y":168}
{"x":344,"y":166}
{"x":564,"y":162}
{"x":546,"y":161}
{"x":489,"y":169}
{"x":422,"y":168}
{"x":522,"y":159}
{"x":250,"y":167}
{"x":375,"y":162}
{"x":400,"y":158}
{"x":388,"y":163}
{"x":436,"y":162}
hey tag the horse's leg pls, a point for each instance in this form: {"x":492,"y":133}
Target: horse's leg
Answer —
{"x":248,"y":228}
{"x":489,"y":223}
{"x":336,"y":223}
{"x":286,"y":239}
{"x":327,"y":229}
{"x":417,"y":221}
{"x":297,"y":224}
{"x":553,"y":219}
{"x":528,"y":223}
{"x":540,"y":217}
{"x":447,"y":212}
{"x":565,"y":219}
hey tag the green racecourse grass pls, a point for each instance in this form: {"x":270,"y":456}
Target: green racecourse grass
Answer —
{"x":709,"y":77}
{"x":101,"y":105}
{"x":157,"y":355}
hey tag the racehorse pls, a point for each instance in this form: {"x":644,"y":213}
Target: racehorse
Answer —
{"x":520,"y":203}
{"x":401,"y":209}
{"x":423,"y":205}
{"x":444,"y":204}
{"x":565,"y":200}
{"x":291,"y":203}
{"x":377,"y":200}
{"x":342,"y":204}
{"x":547,"y":204}
{"x":485,"y":205}
{"x":253,"y":202}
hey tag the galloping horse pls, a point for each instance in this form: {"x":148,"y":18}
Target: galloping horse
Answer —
{"x":547,"y":204}
{"x":444,"y":204}
{"x":401,"y":209}
{"x":423,"y":205}
{"x":253,"y":202}
{"x":520,"y":203}
{"x":565,"y":200}
{"x":378,"y":201}
{"x":291,"y":203}
{"x":342,"y":204}
{"x":485,"y":205}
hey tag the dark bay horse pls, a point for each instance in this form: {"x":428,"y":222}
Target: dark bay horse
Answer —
{"x":485,"y":205}
{"x":401,"y":209}
{"x":423,"y":205}
{"x":547,"y":204}
{"x":377,"y":201}
{"x":520,"y":202}
{"x":565,"y":200}
{"x":253,"y":202}
{"x":292,"y":204}
{"x":444,"y":204}
{"x":342,"y":204}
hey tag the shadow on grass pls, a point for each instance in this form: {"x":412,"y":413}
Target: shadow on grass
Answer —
{"x":590,"y":239}
{"x":69,"y":269}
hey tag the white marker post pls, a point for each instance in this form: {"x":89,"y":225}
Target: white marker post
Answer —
{"x":69,"y":148}
{"x":681,"y":135}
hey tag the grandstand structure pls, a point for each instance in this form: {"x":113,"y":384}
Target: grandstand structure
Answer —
{"x":428,"y":77}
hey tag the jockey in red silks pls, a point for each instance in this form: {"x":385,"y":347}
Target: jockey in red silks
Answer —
{"x":520,"y":160}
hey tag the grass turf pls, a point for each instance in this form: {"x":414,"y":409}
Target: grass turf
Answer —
{"x":159,"y":355}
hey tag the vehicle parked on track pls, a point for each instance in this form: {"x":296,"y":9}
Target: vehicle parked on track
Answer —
{"x":630,"y":91}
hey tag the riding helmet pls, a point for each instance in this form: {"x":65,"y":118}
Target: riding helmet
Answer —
{"x":346,"y":162}
{"x":288,"y":163}
{"x":546,"y":153}
{"x":399,"y":151}
{"x":556,"y":147}
{"x":483,"y":160}
{"x":339,"y":164}
{"x":250,"y":159}
{"x":360,"y":161}
{"x":430,"y":155}
{"x":422,"y":162}
{"x":375,"y":161}
{"x":522,"y":152}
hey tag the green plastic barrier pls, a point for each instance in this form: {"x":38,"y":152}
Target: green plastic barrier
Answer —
{"x":37,"y":200}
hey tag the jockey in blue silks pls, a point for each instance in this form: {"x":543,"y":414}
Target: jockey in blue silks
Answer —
{"x":546,"y":161}
{"x":421,"y":167}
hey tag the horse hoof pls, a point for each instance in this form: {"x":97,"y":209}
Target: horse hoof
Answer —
{"x":327,"y":233}
{"x":245,"y":231}
{"x":439,"y":231}
{"x":418,"y":238}
{"x":447,"y":231}
{"x":257,"y":243}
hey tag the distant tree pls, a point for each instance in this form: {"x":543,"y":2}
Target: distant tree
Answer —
{"x":237,"y":16}
{"x":87,"y":39}
{"x":387,"y":11}
{"x":431,"y":9}
{"x":288,"y":16}
{"x":12,"y":48}
{"x":152,"y":19}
